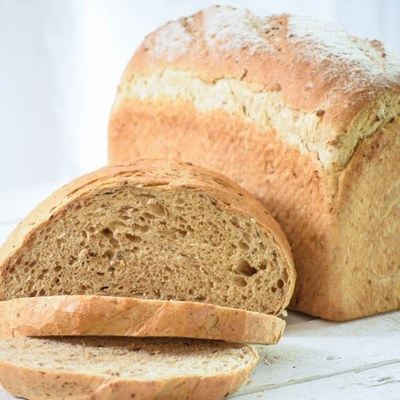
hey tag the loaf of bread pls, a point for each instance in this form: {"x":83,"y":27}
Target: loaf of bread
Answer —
{"x":123,"y":368}
{"x":152,"y":230}
{"x":85,"y":315}
{"x":302,"y":115}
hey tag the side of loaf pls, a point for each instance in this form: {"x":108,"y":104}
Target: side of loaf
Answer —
{"x":153,"y":229}
{"x":301,"y":114}
{"x":123,"y":368}
{"x":85,"y":315}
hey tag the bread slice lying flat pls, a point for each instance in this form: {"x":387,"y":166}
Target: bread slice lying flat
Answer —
{"x":153,"y":229}
{"x":118,"y":316}
{"x":123,"y":368}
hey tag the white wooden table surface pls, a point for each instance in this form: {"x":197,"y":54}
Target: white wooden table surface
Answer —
{"x":315,"y":359}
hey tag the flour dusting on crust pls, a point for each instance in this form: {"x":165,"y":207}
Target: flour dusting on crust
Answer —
{"x":172,"y":42}
{"x":366,"y":61}
{"x":234,"y":29}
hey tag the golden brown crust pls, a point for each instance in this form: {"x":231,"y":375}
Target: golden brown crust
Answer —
{"x":314,"y":66}
{"x":84,"y":315}
{"x":364,"y":274}
{"x":368,"y":229}
{"x":39,"y":384}
{"x":322,"y":215}
{"x":35,"y":384}
{"x":285,"y":106}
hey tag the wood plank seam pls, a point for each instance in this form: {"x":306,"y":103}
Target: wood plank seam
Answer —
{"x":264,"y":388}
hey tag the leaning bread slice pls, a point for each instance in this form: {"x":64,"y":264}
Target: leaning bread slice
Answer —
{"x":153,"y":229}
{"x":123,"y":368}
{"x":117,"y":316}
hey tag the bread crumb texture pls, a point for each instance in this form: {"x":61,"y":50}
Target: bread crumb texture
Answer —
{"x":152,"y":230}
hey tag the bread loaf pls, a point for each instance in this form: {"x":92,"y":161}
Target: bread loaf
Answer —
{"x":304,"y":116}
{"x":123,"y":368}
{"x":117,"y":316}
{"x":152,"y":230}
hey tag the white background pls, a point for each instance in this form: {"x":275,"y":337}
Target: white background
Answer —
{"x":61,"y":60}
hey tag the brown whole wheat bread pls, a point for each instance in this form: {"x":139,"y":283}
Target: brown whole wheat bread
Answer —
{"x":85,"y":315}
{"x":123,"y":368}
{"x":304,"y":116}
{"x":153,"y":229}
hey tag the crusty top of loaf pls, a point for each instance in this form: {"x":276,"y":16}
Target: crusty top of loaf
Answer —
{"x":350,"y":85}
{"x":165,"y":174}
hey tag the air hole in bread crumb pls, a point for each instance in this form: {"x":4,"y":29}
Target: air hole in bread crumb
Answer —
{"x":105,"y":288}
{"x":235,"y":222}
{"x":42,"y":274}
{"x":108,"y":254}
{"x":241,"y":282}
{"x":244,"y":246}
{"x":114,"y":242}
{"x":147,"y":216}
{"x":263,"y":266}
{"x":246,"y":236}
{"x":280,"y":284}
{"x":107,"y":232}
{"x":182,"y":232}
{"x":285,"y":275}
{"x":133,"y":238}
{"x":273,"y":289}
{"x":157,"y":209}
{"x":245,"y":268}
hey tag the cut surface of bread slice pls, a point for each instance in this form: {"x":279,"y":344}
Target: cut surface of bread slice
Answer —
{"x":123,"y":368}
{"x":118,"y":316}
{"x":154,"y":229}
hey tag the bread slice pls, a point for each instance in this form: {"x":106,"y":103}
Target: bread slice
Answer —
{"x":118,"y":316}
{"x":123,"y":368}
{"x":153,"y":229}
